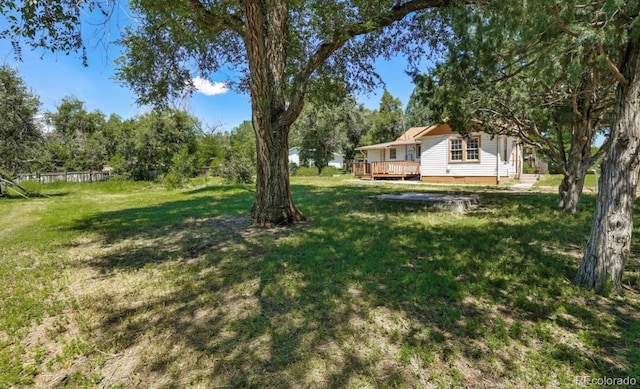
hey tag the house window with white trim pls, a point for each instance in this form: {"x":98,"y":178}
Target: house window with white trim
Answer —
{"x":464,"y":150}
{"x":392,"y":153}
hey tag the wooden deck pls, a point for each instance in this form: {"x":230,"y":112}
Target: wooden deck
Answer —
{"x":386,"y":170}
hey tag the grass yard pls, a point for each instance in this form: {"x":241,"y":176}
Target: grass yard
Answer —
{"x":128,"y":285}
{"x":552,"y":181}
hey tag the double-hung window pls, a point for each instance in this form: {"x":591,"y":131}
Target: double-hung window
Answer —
{"x":464,"y":149}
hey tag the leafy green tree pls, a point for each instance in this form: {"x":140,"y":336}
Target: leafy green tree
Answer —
{"x":183,"y":167}
{"x":211,"y":151}
{"x":240,"y":163}
{"x":76,"y":141}
{"x":322,"y":133}
{"x":148,"y":143}
{"x":113,"y":133}
{"x":358,"y":123}
{"x":20,"y":136}
{"x":282,"y":48}
{"x":327,"y":127}
{"x":389,"y":121}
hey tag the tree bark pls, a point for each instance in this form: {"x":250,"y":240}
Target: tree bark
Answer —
{"x":274,"y":204}
{"x":265,"y":41}
{"x":575,"y":167}
{"x":609,"y":244}
{"x":570,"y":191}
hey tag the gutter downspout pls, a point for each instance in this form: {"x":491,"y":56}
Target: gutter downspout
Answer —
{"x":498,"y":160}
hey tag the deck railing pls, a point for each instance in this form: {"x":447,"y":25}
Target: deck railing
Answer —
{"x":361,"y":169}
{"x":386,"y":168}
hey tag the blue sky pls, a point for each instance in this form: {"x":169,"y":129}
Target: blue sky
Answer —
{"x":53,"y":76}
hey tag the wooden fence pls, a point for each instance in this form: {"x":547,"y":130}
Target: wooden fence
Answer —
{"x":46,"y":178}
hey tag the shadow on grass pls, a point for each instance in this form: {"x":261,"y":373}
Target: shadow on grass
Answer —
{"x":13,"y":196}
{"x":366,"y":292}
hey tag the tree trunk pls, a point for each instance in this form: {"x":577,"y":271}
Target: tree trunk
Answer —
{"x":575,"y":167}
{"x":265,"y":41}
{"x":609,"y":244}
{"x":570,"y":191}
{"x":274,"y":203}
{"x":578,"y":160}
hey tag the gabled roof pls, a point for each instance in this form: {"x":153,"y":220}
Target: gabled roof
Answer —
{"x":410,"y":137}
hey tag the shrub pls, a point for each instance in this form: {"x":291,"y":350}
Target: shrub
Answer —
{"x":173,"y":180}
{"x":182,"y":168}
{"x":293,"y":168}
{"x":238,"y":170}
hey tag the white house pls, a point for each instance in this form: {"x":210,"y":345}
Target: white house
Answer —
{"x":439,"y":154}
{"x":294,"y":157}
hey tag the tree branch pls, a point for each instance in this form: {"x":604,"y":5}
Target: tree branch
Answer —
{"x":562,"y":25}
{"x":216,"y":22}
{"x":604,"y":149}
{"x":610,"y":65}
{"x":330,"y":46}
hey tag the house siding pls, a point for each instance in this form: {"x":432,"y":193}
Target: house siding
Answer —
{"x":374,"y":155}
{"x":434,"y":161}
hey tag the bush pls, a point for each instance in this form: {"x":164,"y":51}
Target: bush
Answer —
{"x":182,"y":168}
{"x":293,"y":168}
{"x":240,"y":171}
{"x":173,"y":180}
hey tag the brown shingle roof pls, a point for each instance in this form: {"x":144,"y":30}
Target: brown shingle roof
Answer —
{"x":410,"y":135}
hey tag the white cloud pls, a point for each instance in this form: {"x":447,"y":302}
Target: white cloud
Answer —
{"x":207,"y":88}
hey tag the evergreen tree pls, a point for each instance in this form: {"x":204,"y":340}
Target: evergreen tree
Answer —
{"x":389,"y":121}
{"x":418,"y":113}
{"x":521,"y":75}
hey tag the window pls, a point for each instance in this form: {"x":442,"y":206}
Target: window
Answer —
{"x":464,"y":150}
{"x":456,"y":149}
{"x":392,"y":153}
{"x":473,"y":149}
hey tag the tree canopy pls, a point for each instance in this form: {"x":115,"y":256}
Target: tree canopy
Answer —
{"x":19,"y":131}
{"x":282,"y":50}
{"x":389,"y":123}
{"x":518,"y":71}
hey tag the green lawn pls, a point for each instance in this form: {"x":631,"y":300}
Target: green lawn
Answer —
{"x":554,"y":180}
{"x":130,"y":285}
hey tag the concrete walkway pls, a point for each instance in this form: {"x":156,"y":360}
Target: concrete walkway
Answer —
{"x":526,"y":182}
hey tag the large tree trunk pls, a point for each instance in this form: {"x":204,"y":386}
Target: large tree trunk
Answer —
{"x":608,"y":247}
{"x":274,"y":203}
{"x":265,"y":24}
